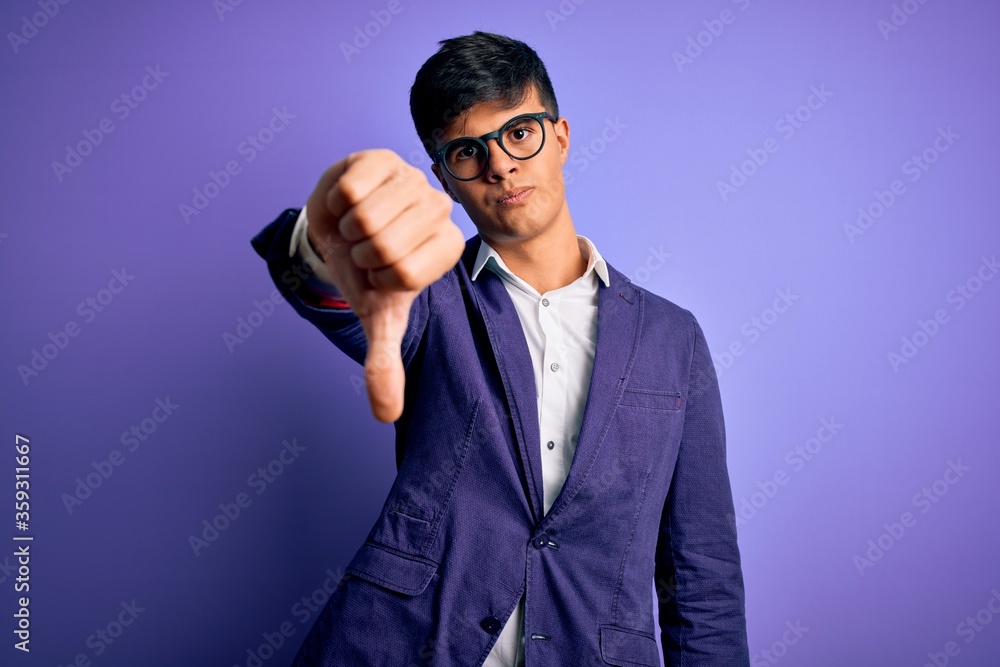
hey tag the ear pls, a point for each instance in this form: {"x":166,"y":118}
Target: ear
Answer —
{"x":444,"y":183}
{"x":561,"y":127}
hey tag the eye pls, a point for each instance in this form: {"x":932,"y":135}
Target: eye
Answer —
{"x":520,"y":132}
{"x":463,"y":151}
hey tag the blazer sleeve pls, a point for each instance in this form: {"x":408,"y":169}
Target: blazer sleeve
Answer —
{"x":341,"y":326}
{"x":699,"y":579}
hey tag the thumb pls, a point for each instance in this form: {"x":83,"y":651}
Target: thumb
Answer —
{"x":384,"y":373}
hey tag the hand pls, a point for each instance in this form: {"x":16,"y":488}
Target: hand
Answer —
{"x":385,"y":233}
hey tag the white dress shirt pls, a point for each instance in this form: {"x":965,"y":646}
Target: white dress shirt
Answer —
{"x":560,"y":327}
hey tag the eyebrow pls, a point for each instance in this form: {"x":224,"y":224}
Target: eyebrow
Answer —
{"x":465,"y":126}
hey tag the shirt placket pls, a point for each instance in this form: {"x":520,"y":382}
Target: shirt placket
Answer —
{"x":555,"y":376}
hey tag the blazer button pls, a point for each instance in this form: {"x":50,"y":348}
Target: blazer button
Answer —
{"x":541,"y":541}
{"x":491,"y":624}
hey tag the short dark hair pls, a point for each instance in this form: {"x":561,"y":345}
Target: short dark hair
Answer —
{"x":468,"y":70}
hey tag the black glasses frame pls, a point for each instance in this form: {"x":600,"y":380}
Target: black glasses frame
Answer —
{"x":498,"y":135}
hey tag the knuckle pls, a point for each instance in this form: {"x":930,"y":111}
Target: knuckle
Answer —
{"x":350,"y":189}
{"x":405,"y":169}
{"x":406,"y":275}
{"x":401,"y":176}
{"x":380,"y":249}
{"x":377,"y":153}
{"x":362,"y":220}
{"x":416,"y":174}
{"x":387,"y":157}
{"x":442,"y":202}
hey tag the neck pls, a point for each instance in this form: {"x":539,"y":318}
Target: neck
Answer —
{"x":548,"y":260}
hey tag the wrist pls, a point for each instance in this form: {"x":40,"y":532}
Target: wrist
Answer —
{"x":316,"y":287}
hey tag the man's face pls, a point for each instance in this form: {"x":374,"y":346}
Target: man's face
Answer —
{"x":513,"y":199}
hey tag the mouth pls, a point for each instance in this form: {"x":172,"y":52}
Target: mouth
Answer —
{"x":515,"y":196}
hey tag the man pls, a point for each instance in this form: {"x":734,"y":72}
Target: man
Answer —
{"x":559,"y":432}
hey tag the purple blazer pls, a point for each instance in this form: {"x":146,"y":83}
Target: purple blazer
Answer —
{"x":646,"y":504}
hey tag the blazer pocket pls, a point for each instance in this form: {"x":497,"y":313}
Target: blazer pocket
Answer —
{"x":628,"y":648}
{"x":651,"y":399}
{"x":401,"y":573}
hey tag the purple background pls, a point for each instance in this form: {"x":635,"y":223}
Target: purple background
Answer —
{"x":650,"y":191}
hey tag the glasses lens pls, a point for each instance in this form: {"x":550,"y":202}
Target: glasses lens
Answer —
{"x":522,"y":137}
{"x":465,"y":158}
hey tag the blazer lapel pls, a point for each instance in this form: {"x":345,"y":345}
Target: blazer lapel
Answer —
{"x":513,"y":358}
{"x":619,"y":321}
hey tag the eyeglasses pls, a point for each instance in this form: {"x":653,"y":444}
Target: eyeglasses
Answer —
{"x":521,"y":137}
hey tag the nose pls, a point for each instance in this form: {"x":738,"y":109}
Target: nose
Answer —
{"x":499,"y":163}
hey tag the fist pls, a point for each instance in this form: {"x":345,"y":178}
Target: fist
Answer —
{"x":385,"y":233}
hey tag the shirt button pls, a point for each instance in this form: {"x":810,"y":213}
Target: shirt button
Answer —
{"x":545,"y":302}
{"x":554,"y":366}
{"x":541,"y":541}
{"x":490,"y":624}
{"x":550,"y":444}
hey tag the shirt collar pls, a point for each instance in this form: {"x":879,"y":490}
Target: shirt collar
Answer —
{"x":489,"y":257}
